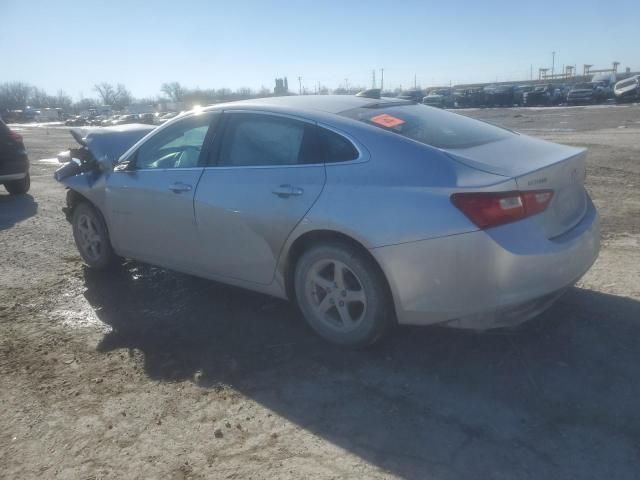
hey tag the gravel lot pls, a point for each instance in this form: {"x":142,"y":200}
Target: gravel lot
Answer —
{"x":145,"y":373}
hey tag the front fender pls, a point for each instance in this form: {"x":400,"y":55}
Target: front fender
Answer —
{"x":90,"y":186}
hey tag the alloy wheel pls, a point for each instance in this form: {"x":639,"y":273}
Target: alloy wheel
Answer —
{"x":89,"y":238}
{"x":336,"y":295}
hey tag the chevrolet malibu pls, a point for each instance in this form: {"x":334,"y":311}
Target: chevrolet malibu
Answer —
{"x":364,"y":212}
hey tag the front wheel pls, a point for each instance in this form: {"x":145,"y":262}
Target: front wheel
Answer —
{"x":343,"y":295}
{"x":18,"y":187}
{"x":91,"y":237}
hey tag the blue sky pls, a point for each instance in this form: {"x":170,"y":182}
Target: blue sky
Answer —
{"x":72,"y":45}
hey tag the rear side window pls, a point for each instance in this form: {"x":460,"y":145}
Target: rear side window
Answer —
{"x":262,"y":140}
{"x":434,"y":127}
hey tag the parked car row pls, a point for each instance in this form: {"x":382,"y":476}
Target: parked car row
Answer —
{"x":120,"y":119}
{"x":601,"y":89}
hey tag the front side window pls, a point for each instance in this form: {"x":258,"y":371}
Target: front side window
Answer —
{"x":177,"y":146}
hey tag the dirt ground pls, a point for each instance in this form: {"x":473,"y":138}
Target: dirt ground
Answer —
{"x":145,"y":373}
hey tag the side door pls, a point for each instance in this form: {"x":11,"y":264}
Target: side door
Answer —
{"x":264,"y":181}
{"x":150,"y":199}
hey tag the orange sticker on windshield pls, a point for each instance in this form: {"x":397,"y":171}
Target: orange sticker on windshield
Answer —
{"x":386,"y":120}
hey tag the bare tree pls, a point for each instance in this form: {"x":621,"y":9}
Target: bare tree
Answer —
{"x":63,"y":100}
{"x":84,"y":104}
{"x":174,"y":91}
{"x":106,"y":92}
{"x":117,"y":96}
{"x":14,"y":95}
{"x":264,"y":92}
{"x":123,"y":97}
{"x":40,"y":99}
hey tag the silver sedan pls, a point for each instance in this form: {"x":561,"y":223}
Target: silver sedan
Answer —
{"x":365,"y":212}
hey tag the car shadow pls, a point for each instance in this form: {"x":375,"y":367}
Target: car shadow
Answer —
{"x":557,"y":398}
{"x":15,"y":208}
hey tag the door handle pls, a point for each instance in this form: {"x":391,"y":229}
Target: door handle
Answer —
{"x":286,"y":191}
{"x":179,"y":187}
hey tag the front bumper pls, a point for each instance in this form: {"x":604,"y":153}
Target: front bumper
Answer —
{"x":485,"y":279}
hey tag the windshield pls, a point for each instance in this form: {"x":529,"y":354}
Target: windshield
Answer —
{"x":430,"y":126}
{"x":583,"y":86}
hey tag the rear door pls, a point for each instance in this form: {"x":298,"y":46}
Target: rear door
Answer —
{"x":264,"y":181}
{"x":150,"y":202}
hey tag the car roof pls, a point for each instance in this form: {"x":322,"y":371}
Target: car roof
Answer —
{"x":322,"y":103}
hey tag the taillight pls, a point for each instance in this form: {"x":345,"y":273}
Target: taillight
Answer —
{"x":489,"y":209}
{"x":16,"y":137}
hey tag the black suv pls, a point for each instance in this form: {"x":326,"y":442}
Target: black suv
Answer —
{"x":14,"y":163}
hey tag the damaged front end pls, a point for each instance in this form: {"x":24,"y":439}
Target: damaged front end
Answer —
{"x":99,"y":149}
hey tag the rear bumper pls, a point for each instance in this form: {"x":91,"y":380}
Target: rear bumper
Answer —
{"x":485,"y":279}
{"x":14,"y":168}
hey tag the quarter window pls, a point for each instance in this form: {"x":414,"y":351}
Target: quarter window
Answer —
{"x":332,"y":147}
{"x":177,"y":146}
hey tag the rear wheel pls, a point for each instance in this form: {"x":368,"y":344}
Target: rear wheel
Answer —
{"x":342,"y":295}
{"x":18,"y":187}
{"x":91,"y":237}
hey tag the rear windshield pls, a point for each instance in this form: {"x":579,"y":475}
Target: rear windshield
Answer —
{"x":431,"y":126}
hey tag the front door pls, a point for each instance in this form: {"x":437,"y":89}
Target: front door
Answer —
{"x":150,"y":201}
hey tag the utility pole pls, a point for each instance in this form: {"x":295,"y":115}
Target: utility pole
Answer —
{"x":381,"y":79}
{"x":415,"y":81}
{"x":531,"y":72}
{"x":346,"y":84}
{"x":553,"y":63}
{"x":373,"y":78}
{"x":300,"y":85}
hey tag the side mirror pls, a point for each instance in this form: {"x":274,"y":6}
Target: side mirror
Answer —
{"x":105,"y":165}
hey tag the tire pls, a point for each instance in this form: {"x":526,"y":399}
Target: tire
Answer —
{"x":92,"y":237}
{"x":18,"y":187}
{"x":352,"y":309}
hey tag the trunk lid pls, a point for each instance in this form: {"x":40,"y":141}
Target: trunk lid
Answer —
{"x":537,"y":165}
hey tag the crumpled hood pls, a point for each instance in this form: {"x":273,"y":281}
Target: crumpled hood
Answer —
{"x":110,"y":142}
